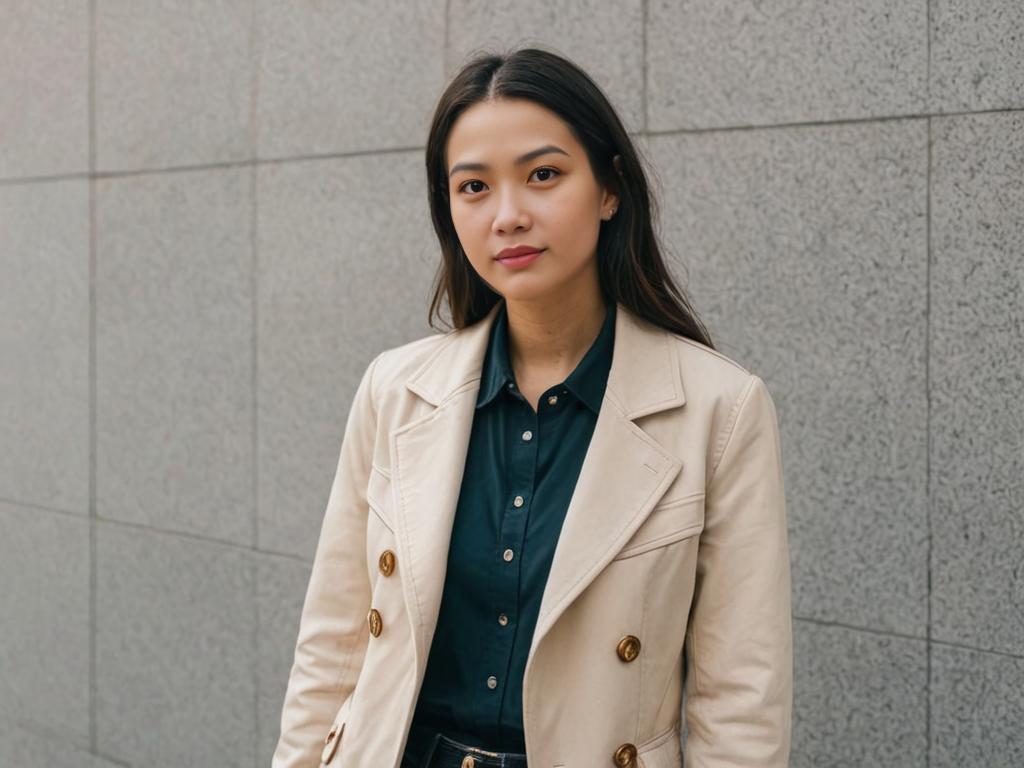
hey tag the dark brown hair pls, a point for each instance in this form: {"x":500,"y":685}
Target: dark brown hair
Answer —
{"x":631,"y":268}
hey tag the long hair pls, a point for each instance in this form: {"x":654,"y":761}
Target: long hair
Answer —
{"x":630,"y":265}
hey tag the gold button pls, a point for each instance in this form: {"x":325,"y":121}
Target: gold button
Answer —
{"x":553,"y":399}
{"x":387,"y":562}
{"x":508,"y":555}
{"x":332,"y":740}
{"x":376,"y":625}
{"x":503,"y":619}
{"x":468,"y":762}
{"x":625,"y":756}
{"x":517,"y":501}
{"x":629,"y":648}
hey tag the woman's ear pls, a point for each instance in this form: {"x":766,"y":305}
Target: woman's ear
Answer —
{"x":613,"y":188}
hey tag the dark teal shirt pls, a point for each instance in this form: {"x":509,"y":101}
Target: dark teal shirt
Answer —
{"x":520,"y":473}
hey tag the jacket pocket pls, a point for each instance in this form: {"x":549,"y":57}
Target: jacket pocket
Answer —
{"x":663,"y":751}
{"x":378,"y":496}
{"x":667,"y":523}
{"x":332,"y":741}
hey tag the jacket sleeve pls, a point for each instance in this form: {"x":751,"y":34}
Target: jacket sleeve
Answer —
{"x":333,"y":633}
{"x":739,"y":679}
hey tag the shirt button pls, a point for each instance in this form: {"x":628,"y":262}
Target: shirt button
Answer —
{"x":552,"y":399}
{"x":527,"y":435}
{"x":503,"y":619}
{"x":517,"y":501}
{"x":492,"y":682}
{"x":507,"y":555}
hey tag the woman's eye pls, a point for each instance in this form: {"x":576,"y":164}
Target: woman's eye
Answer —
{"x":545,"y":169}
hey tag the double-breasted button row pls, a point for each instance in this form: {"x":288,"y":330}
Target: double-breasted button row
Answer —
{"x":386,"y":563}
{"x":625,"y":756}
{"x":376,"y":623}
{"x":628,"y":649}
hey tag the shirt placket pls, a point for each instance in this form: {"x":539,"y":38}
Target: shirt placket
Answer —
{"x":521,"y":435}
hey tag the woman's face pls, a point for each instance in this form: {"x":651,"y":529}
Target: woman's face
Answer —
{"x":517,"y":176}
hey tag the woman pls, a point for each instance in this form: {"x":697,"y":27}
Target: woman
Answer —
{"x":550,"y":523}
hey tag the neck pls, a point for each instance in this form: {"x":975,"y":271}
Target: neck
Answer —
{"x":552,"y":337}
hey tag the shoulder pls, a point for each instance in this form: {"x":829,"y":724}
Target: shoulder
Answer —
{"x":710,"y":372}
{"x":721,"y":388}
{"x":708,"y":377}
{"x":728,"y":393}
{"x":398,"y":363}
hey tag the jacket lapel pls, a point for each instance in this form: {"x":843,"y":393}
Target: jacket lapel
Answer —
{"x":624,"y":473}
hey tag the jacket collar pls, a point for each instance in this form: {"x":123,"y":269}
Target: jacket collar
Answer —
{"x":586,"y":381}
{"x":644,"y":376}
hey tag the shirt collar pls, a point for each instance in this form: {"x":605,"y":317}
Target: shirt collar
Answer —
{"x":587,"y":380}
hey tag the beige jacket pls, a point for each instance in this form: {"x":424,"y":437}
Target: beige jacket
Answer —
{"x":671,"y":571}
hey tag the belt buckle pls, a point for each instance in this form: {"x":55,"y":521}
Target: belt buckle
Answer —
{"x":483,"y":752}
{"x":468,"y":761}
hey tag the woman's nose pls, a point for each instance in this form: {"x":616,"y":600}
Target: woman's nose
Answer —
{"x":510,"y":213}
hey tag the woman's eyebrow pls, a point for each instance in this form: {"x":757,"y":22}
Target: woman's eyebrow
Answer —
{"x":518,"y":161}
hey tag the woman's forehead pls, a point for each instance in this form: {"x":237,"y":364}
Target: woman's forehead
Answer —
{"x":507,"y":133}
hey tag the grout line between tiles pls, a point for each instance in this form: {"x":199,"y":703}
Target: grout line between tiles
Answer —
{"x":928,"y":438}
{"x":255,"y":63}
{"x":928,"y":55}
{"x":848,"y":121}
{"x":445,"y":42}
{"x":43,"y":508}
{"x":976,"y":649}
{"x":91,"y":447}
{"x":154,"y":529}
{"x":857,"y":628}
{"x":643,"y":65}
{"x":378,"y":151}
{"x":903,"y":636}
{"x":254,"y":383}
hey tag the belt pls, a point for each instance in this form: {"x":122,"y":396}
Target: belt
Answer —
{"x":445,"y":752}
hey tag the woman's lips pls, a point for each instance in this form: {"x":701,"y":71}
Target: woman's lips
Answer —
{"x":520,"y":261}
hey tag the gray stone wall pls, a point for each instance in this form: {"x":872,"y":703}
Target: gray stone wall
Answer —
{"x":204,"y":208}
